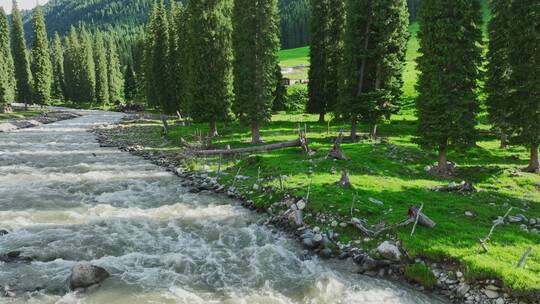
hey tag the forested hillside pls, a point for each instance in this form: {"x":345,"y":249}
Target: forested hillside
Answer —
{"x":126,"y":17}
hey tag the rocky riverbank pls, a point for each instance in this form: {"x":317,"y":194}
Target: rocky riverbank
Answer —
{"x":38,"y":120}
{"x":388,"y":259}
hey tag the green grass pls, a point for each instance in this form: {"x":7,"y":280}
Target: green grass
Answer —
{"x":392,"y":173}
{"x":421,"y":274}
{"x":294,"y":57}
{"x":19,"y":114}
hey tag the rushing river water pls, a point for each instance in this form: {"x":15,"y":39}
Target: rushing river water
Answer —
{"x":65,"y":199}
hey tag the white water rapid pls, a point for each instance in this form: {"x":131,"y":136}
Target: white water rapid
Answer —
{"x":64,"y":199}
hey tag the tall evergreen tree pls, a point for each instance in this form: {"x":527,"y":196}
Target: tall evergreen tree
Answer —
{"x":71,"y":63}
{"x":115,"y":76}
{"x":7,"y":73}
{"x":524,"y":61}
{"x":130,"y":83}
{"x":280,"y":94}
{"x":210,"y":60}
{"x":256,"y":43}
{"x":375,"y":44}
{"x":497,"y":87}
{"x":41,"y":61}
{"x":23,"y":75}
{"x":87,"y":68}
{"x":326,"y":52}
{"x":58,"y":90}
{"x":176,"y":55}
{"x":148,"y":57}
{"x":450,"y":36}
{"x":102,"y":69}
{"x":158,"y":69}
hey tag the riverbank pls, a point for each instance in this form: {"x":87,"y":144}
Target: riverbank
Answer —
{"x":255,"y":180}
{"x":32,"y":118}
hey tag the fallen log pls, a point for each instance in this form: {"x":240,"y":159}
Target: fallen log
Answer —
{"x":424,"y":220}
{"x":300,"y":142}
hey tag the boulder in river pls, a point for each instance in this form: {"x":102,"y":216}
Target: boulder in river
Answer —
{"x":3,"y":232}
{"x":84,"y":275}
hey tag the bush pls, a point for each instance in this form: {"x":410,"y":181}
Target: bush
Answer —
{"x":296,"y":99}
{"x":421,"y":274}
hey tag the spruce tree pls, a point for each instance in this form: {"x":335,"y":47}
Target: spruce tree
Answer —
{"x":87,"y":68}
{"x":176,"y":55}
{"x":102,"y":77}
{"x":115,"y":76}
{"x":375,"y":44}
{"x":524,"y":61}
{"x":450,"y":36}
{"x":58,"y":90}
{"x":210,"y":60}
{"x":326,"y":52}
{"x":7,"y":73}
{"x":71,"y":63}
{"x":280,"y":94}
{"x":148,"y":57}
{"x":256,"y":43}
{"x":41,"y":61}
{"x":130,"y":83}
{"x":499,"y":103}
{"x":21,"y":61}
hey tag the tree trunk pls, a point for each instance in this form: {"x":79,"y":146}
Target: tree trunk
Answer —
{"x":321,"y":116}
{"x":504,"y":140}
{"x":255,"y":133}
{"x":534,"y":164}
{"x":373,"y":131}
{"x":213,"y":129}
{"x":165,"y":124}
{"x":354,"y":127}
{"x":300,"y":142}
{"x":442,"y":167}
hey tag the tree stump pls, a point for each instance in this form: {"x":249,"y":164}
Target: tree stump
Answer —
{"x":424,"y":220}
{"x":336,"y":151}
{"x":345,"y":181}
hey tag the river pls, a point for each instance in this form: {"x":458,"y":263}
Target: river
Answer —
{"x":64,"y":199}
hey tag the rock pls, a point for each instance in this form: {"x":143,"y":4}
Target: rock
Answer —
{"x":317,"y":239}
{"x":376,"y":201}
{"x":523,"y":227}
{"x":491,"y":294}
{"x":500,"y":301}
{"x":492,"y":288}
{"x":301,"y":204}
{"x":514,"y":219}
{"x":15,"y":257}
{"x":84,"y":275}
{"x":463,"y":289}
{"x":532,"y":222}
{"x":326,"y":253}
{"x":389,"y":251}
{"x":3,"y":232}
{"x":469,"y":214}
{"x":308,"y":243}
